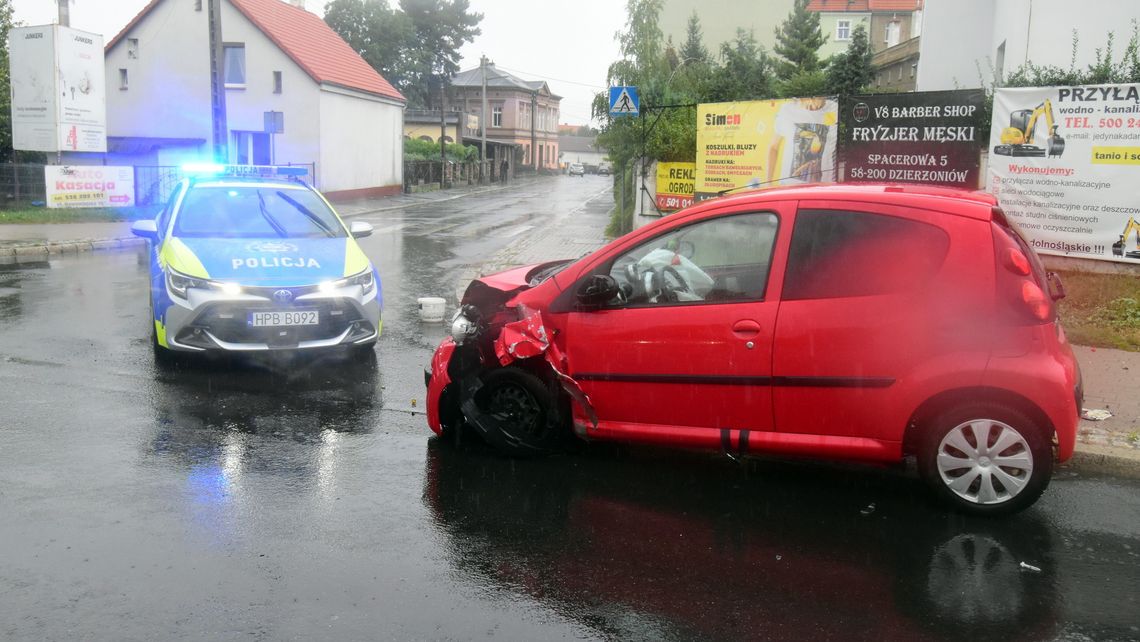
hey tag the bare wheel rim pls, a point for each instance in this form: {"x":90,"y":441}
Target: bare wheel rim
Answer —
{"x":516,"y":407}
{"x":985,"y":461}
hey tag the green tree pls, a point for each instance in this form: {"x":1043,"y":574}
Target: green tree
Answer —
{"x":6,"y":24}
{"x":413,"y":45}
{"x":851,"y":71}
{"x":745,"y":72}
{"x":798,"y":40}
{"x":694,"y":48}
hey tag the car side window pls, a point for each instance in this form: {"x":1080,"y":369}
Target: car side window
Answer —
{"x":847,"y":254}
{"x":723,"y":259}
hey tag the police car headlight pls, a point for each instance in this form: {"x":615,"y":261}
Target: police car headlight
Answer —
{"x":179,"y":283}
{"x":364,"y":280}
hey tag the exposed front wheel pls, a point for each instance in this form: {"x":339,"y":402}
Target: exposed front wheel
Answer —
{"x":518,"y":413}
{"x":986,"y":459}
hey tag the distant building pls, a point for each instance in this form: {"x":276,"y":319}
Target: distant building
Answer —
{"x":423,"y":124}
{"x":721,"y":18}
{"x":339,"y":114}
{"x":523,"y":113}
{"x":581,"y":149}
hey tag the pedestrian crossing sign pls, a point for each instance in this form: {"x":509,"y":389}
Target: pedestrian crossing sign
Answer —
{"x":624,"y":101}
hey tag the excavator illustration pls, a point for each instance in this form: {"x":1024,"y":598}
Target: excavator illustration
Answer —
{"x":1118,"y":247}
{"x":1017,"y":139}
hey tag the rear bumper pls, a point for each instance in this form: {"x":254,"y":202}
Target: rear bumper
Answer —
{"x":1050,"y":378}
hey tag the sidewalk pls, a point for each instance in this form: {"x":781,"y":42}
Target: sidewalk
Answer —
{"x":35,"y":242}
{"x":1111,"y":377}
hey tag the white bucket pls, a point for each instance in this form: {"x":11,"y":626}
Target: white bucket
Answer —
{"x":431,"y":308}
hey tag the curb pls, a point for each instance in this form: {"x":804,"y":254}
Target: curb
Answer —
{"x":1106,"y":460}
{"x":47,"y":249}
{"x":433,"y":201}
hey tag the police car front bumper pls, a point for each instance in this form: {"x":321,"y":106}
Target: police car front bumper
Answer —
{"x":213,"y":320}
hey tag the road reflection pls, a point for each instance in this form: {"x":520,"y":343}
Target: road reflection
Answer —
{"x":690,"y":547}
{"x":281,"y":419}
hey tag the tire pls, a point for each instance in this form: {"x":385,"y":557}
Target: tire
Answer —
{"x":521,"y":415}
{"x":992,"y":489}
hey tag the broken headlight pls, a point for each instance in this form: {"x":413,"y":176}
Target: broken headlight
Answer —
{"x":465,"y":324}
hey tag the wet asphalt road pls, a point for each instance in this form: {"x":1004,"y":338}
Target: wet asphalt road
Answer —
{"x":292,"y":499}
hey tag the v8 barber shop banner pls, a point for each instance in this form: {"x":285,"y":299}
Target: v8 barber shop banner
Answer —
{"x":931,"y":137}
{"x":1065,"y":164}
{"x":765,"y":142}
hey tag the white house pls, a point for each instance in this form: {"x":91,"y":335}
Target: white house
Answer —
{"x":968,"y":42}
{"x":338,"y":113}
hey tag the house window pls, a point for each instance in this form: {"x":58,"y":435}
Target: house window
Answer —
{"x":277,"y":82}
{"x":842,"y":29}
{"x":234,"y":70}
{"x":133,"y":48}
{"x":122,"y":79}
{"x":913,"y":67}
{"x":892,"y":34}
{"x":496,"y":117}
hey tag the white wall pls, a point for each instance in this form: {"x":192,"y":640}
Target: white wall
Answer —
{"x":588,"y":158}
{"x":299,"y":99}
{"x":1042,"y":30}
{"x":959,"y":37}
{"x":956,"y":36}
{"x":362,"y":142}
{"x":168,"y":91}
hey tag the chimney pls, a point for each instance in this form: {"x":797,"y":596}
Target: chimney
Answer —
{"x":300,"y":4}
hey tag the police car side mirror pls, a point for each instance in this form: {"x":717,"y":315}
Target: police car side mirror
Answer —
{"x":146,"y":229}
{"x":359,"y":229}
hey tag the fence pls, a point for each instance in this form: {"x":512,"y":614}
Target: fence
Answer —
{"x":22,"y":184}
{"x":421,"y":175}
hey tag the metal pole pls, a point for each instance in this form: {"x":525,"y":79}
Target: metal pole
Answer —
{"x":442,"y":132}
{"x":533,"y":137}
{"x":218,"y":83}
{"x":483,"y":118}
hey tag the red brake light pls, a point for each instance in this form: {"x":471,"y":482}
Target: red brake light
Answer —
{"x":1016,"y":262}
{"x":1040,"y":306}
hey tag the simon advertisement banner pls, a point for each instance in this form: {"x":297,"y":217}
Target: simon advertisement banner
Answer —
{"x":765,"y":142}
{"x":1065,"y":164}
{"x":675,"y":183}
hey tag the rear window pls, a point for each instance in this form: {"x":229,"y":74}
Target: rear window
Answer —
{"x":255,"y":211}
{"x":846,"y":254}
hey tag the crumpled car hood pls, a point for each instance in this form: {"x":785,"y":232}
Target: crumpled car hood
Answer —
{"x":497,"y":289}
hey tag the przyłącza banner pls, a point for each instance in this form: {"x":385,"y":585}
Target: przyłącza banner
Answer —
{"x":1064,"y":164}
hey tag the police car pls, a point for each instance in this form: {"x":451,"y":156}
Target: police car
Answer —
{"x":249,"y":258}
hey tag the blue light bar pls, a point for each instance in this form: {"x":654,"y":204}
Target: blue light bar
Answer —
{"x":262,"y":171}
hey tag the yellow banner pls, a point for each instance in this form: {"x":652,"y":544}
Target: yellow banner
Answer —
{"x":765,"y":142}
{"x":675,"y":182}
{"x":1116,"y":155}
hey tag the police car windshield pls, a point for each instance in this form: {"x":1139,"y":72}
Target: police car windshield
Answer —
{"x":255,"y":211}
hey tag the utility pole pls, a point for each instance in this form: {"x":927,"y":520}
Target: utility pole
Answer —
{"x":483,"y":117}
{"x":442,"y":131}
{"x":65,"y":13}
{"x":218,"y":83}
{"x":533,"y":138}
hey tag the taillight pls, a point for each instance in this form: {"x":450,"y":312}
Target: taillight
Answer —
{"x":1016,"y":262}
{"x":1020,"y":281}
{"x":1039,"y":305}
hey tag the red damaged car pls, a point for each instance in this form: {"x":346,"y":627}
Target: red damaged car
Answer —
{"x":844,"y":322}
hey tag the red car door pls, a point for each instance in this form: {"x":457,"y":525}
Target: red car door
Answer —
{"x":881,"y":307}
{"x":685,"y":359}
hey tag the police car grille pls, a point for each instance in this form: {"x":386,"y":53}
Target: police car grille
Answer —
{"x":230,"y":322}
